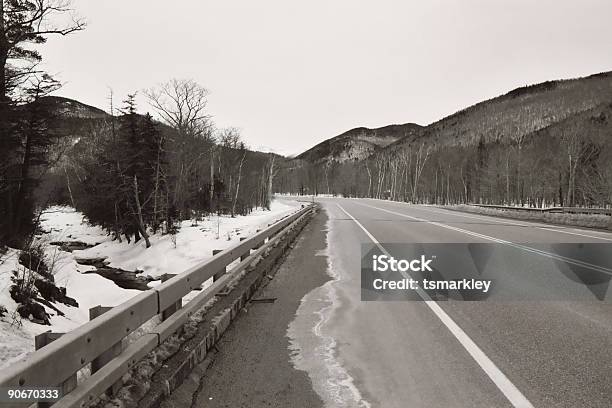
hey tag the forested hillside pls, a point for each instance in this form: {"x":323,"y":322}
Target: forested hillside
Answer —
{"x":358,"y":143}
{"x":546,"y":144}
{"x":519,"y":112}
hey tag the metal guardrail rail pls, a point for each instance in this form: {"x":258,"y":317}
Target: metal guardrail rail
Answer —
{"x":60,"y":360}
{"x":563,"y":210}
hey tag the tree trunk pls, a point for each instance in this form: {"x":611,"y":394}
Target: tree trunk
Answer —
{"x":419,"y":166}
{"x":20,"y":197}
{"x":156,"y":192}
{"x":4,"y":49}
{"x":211,"y":189}
{"x":436,"y":189}
{"x":570,"y":173}
{"x":117,"y":231}
{"x":238,"y":184}
{"x":140,"y":222}
{"x":3,"y":85}
{"x":269,"y":188}
{"x":69,"y":188}
{"x":326,"y":177}
{"x":369,"y":179}
{"x":519,"y":192}
{"x":508,"y":178}
{"x":448,"y":186}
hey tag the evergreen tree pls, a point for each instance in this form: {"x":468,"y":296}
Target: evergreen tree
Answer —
{"x":153,"y":157}
{"x":32,"y":130}
{"x":24,"y":129}
{"x":125,"y":190}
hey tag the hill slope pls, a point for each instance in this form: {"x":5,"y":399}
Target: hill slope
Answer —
{"x":358,"y":143}
{"x":69,"y":108}
{"x":518,"y":113}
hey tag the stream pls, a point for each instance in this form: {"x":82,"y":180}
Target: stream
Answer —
{"x":122,"y":278}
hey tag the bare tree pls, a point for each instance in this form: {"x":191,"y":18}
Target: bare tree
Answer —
{"x":229,"y":137}
{"x":326,"y":172}
{"x":238,"y":181}
{"x":266,"y":181}
{"x":578,"y":151}
{"x":369,"y":179}
{"x":419,"y":166}
{"x":211,"y":187}
{"x":518,"y":138}
{"x":181,"y":103}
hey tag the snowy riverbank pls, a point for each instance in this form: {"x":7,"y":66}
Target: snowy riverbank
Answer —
{"x":194,"y":244}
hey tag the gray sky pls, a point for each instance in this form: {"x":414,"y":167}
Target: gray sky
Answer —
{"x":293,"y":73}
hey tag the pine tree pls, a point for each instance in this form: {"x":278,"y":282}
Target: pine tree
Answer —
{"x":34,"y":130}
{"x":23,"y":127}
{"x":154,"y":168}
{"x":132,"y":166}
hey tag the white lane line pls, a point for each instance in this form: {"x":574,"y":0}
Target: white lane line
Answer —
{"x":534,"y":225}
{"x":571,"y":261}
{"x":511,"y":392}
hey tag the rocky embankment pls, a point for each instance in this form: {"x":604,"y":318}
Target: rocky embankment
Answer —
{"x":33,"y":287}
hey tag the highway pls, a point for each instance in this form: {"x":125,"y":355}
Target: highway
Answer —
{"x":463,"y":354}
{"x":413,"y":353}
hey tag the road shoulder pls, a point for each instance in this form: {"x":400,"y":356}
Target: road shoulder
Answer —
{"x":252,"y":367}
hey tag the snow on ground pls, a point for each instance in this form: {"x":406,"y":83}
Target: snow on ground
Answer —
{"x":89,"y":290}
{"x":194,"y":244}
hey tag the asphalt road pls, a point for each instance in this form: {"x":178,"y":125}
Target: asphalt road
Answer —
{"x":252,"y":366}
{"x":465,"y":354}
{"x":352,"y":353}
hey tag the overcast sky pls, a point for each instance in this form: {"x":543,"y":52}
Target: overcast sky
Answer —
{"x":293,"y":73}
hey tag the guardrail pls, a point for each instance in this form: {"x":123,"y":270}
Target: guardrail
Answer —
{"x":58,"y":362}
{"x":566,"y":210}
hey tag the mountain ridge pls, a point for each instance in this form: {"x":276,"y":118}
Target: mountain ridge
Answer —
{"x":518,"y":113}
{"x":71,"y":108}
{"x":358,"y":143}
{"x":521,"y":111}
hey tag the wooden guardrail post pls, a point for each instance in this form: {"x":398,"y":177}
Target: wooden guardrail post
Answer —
{"x":259,"y":244}
{"x":219,"y":274}
{"x":246,"y":254}
{"x":70,"y":384}
{"x":103,"y":359}
{"x":174,"y":307}
{"x":271,"y":235}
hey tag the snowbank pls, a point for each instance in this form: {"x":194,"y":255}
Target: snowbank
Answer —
{"x":194,"y":244}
